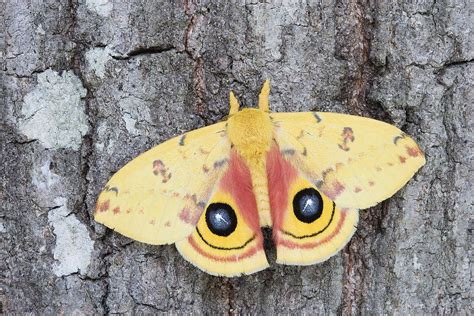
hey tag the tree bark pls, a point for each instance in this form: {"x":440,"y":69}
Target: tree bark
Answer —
{"x":87,"y":85}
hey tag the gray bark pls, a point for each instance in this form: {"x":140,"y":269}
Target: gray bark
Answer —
{"x":87,"y":85}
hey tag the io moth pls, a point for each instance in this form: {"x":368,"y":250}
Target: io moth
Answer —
{"x":305,"y":175}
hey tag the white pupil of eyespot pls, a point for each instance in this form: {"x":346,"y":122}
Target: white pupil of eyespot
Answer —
{"x":309,"y":203}
{"x":221,"y":218}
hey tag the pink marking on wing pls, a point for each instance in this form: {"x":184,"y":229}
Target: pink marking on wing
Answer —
{"x":191,"y":197}
{"x":338,"y":187}
{"x":104,"y":206}
{"x":347,"y":136}
{"x":310,"y":245}
{"x":334,"y":189}
{"x":185,"y":216}
{"x":159,"y":168}
{"x":280,"y":173}
{"x":402,"y":159}
{"x":116,"y":210}
{"x":189,"y":216}
{"x":237,"y":182}
{"x":234,"y":258}
{"x":413,"y":151}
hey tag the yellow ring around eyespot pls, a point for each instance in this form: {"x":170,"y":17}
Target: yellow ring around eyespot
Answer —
{"x":238,"y":239}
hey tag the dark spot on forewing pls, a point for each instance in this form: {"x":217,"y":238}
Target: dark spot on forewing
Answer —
{"x":343,"y":147}
{"x":181,"y":140}
{"x":317,"y":117}
{"x":319,"y":184}
{"x":220,"y":163}
{"x":159,"y":169}
{"x":326,"y":172}
{"x":300,"y":135}
{"x":111,"y":189}
{"x":347,"y":137}
{"x":204,"y":151}
{"x":288,"y":152}
{"x":397,"y":138}
{"x":201,"y":204}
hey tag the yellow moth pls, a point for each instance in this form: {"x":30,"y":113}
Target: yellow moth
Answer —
{"x":306,"y":175}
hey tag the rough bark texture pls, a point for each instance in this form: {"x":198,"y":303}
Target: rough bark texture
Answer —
{"x":87,"y":85}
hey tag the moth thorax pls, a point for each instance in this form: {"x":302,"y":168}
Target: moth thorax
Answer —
{"x":251,"y":132}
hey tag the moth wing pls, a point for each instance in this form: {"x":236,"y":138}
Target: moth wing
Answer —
{"x":305,"y":231}
{"x":158,"y":197}
{"x":355,"y":161}
{"x":234,"y":245}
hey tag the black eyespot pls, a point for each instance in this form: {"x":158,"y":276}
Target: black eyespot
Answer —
{"x":308,"y":205}
{"x":221,"y":219}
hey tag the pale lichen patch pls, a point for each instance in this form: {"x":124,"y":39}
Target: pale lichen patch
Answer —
{"x":54,"y":112}
{"x":43,"y":178}
{"x":134,"y":111}
{"x":270,"y":26}
{"x":73,"y":249}
{"x":97,"y":58}
{"x":101,"y":7}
